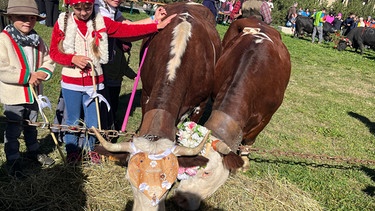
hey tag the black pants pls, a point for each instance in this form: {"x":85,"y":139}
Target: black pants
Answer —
{"x":52,"y":12}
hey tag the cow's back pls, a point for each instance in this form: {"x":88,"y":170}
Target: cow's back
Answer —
{"x":177,"y":74}
{"x":250,"y":80}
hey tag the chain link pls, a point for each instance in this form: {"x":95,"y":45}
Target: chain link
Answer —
{"x":72,"y":129}
{"x":246,"y":150}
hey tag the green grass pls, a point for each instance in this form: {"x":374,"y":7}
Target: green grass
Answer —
{"x":328,"y":109}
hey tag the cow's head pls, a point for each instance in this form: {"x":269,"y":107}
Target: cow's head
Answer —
{"x":192,"y":190}
{"x":343,"y":43}
{"x":152,"y":168}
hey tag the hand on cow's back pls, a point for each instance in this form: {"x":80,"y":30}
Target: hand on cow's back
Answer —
{"x":165,"y":22}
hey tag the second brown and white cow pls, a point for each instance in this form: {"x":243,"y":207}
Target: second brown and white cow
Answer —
{"x":251,"y":77}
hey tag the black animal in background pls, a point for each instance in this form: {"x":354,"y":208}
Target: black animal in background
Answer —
{"x":358,"y":38}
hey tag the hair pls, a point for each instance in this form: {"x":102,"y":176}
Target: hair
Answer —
{"x":95,"y":48}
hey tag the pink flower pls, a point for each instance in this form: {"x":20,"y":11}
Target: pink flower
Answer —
{"x":191,"y":125}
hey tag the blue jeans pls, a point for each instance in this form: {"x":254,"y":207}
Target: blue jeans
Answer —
{"x":74,"y":104}
{"x":318,"y":29}
{"x":16,"y":114}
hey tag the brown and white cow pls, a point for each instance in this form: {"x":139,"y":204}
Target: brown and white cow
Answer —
{"x":251,"y":77}
{"x":177,"y":77}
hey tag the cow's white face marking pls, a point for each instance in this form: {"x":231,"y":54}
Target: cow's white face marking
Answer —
{"x":256,"y":33}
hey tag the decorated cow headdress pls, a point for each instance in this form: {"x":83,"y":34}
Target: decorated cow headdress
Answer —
{"x":72,"y":2}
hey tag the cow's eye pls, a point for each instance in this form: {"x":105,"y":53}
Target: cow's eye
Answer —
{"x":206,"y":174}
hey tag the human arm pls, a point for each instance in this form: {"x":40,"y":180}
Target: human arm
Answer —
{"x":120,"y":30}
{"x":16,"y":71}
{"x":160,"y":13}
{"x":63,"y":58}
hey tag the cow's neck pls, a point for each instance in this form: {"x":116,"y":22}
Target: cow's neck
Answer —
{"x":158,"y":122}
{"x":226,"y":128}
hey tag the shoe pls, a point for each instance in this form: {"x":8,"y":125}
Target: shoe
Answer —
{"x":94,"y":157}
{"x":15,"y":170}
{"x":43,"y":159}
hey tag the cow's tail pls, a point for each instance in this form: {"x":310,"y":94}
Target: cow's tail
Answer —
{"x":181,"y":36}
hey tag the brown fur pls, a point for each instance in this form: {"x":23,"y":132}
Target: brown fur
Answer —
{"x":194,"y":77}
{"x":251,"y":77}
{"x":192,"y":161}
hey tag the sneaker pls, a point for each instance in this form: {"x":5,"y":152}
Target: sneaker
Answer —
{"x":94,"y":157}
{"x":14,"y":169}
{"x":43,"y":159}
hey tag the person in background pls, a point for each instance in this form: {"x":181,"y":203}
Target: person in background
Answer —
{"x":312,"y":14}
{"x":236,"y":11}
{"x":270,"y":3}
{"x":265,"y":11}
{"x":118,"y":64}
{"x":318,"y":25}
{"x":52,"y":11}
{"x":306,"y":13}
{"x":368,"y":21}
{"x":293,"y":22}
{"x":361,"y":23}
{"x":74,"y":51}
{"x":337,"y":22}
{"x":211,"y":5}
{"x":300,"y":11}
{"x":24,"y":64}
{"x":330,"y":18}
{"x":292,"y":9}
{"x":42,"y":10}
{"x":348,"y":24}
{"x":227,"y":8}
{"x":372,"y":23}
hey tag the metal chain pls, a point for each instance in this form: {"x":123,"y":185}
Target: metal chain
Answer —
{"x":246,"y":150}
{"x":72,"y":129}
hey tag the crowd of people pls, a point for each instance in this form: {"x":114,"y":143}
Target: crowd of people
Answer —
{"x":85,"y":34}
{"x":226,"y":11}
{"x":343,"y":26}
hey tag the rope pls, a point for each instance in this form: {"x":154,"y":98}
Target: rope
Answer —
{"x":126,"y":118}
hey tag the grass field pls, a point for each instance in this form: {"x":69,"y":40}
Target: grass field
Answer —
{"x":328,"y":110}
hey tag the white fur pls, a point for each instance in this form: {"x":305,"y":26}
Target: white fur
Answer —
{"x":181,"y":36}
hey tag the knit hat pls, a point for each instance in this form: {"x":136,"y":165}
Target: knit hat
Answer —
{"x":23,"y":7}
{"x":72,"y":2}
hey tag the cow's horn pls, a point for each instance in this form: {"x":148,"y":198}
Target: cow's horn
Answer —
{"x":119,"y":147}
{"x":187,"y":151}
{"x":222,"y":147}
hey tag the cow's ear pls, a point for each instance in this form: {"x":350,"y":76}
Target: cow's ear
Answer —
{"x":192,"y":161}
{"x":232,"y":161}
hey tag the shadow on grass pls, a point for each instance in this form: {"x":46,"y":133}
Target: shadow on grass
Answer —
{"x":171,"y":205}
{"x":366,"y":121}
{"x":369,"y":190}
{"x":53,"y":188}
